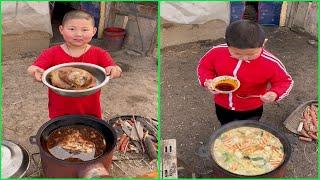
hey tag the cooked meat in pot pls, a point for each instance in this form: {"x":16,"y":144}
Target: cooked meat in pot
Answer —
{"x":76,"y":143}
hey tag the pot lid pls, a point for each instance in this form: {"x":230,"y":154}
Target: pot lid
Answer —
{"x":15,"y":160}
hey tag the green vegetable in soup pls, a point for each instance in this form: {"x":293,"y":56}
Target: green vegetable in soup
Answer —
{"x":257,"y":158}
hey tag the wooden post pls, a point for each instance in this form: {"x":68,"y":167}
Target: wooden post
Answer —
{"x":125,"y":21}
{"x":283,"y":14}
{"x":102,"y":19}
{"x":108,"y":14}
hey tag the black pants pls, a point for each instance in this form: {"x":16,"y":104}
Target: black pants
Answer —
{"x":225,"y":115}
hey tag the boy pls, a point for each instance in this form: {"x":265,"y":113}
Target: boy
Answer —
{"x":77,"y":30}
{"x":244,"y":57}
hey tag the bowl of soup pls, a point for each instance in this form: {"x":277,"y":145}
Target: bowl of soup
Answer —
{"x":225,"y":84}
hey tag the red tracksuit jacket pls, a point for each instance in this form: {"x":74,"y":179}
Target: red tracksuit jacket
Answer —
{"x":254,"y":77}
{"x":61,"y":105}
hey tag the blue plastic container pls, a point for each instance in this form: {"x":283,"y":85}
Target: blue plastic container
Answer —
{"x":94,"y":9}
{"x":269,"y":13}
{"x":236,"y":11}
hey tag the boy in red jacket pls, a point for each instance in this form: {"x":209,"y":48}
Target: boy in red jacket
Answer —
{"x":77,"y":30}
{"x":259,"y":72}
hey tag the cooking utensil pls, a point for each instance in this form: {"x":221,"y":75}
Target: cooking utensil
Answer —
{"x":97,"y":71}
{"x":253,"y":96}
{"x":15,"y":160}
{"x":278,"y":172}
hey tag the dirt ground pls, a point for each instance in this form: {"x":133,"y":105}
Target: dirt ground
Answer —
{"x":25,"y":101}
{"x":188,"y":114}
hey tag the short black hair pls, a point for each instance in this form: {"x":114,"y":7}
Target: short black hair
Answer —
{"x":244,"y":34}
{"x":77,"y":14}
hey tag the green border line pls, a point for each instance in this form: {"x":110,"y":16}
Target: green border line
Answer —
{"x":318,"y":11}
{"x":158,"y":69}
{"x":235,"y":1}
{"x":1,"y":109}
{"x":159,"y":90}
{"x":80,"y":1}
{"x":1,"y":90}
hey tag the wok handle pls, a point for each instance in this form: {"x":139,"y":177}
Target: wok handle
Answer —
{"x":33,"y":140}
{"x":94,"y":170}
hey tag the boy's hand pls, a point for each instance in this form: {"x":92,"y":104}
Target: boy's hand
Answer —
{"x":113,"y":71}
{"x":207,"y":84}
{"x":269,"y":97}
{"x":36,"y":72}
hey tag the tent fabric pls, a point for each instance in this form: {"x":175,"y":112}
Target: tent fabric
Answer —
{"x":20,"y":17}
{"x":195,"y":13}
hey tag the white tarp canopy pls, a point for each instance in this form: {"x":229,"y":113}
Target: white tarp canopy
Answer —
{"x":195,"y":13}
{"x":20,"y":17}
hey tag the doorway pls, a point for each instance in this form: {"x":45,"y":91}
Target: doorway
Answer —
{"x":251,"y":11}
{"x":57,"y":11}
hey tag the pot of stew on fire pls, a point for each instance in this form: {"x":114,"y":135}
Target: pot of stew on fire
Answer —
{"x":75,"y":146}
{"x":249,"y":149}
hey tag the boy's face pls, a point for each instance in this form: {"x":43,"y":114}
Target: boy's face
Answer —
{"x":77,"y":32}
{"x":245,"y":54}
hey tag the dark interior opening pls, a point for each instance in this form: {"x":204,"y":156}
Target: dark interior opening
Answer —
{"x":58,"y":10}
{"x":251,"y":11}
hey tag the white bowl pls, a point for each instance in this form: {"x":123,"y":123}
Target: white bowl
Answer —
{"x":97,"y":71}
{"x":225,"y":79}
